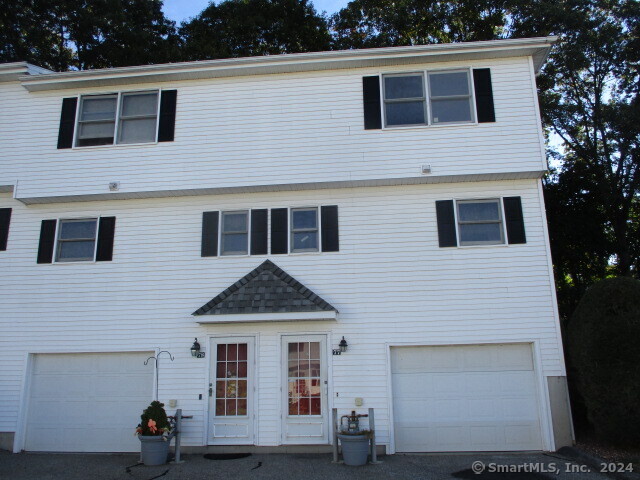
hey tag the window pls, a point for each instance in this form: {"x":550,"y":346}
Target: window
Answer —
{"x":404,"y":100}
{"x":76,"y":240}
{"x":304,"y":230}
{"x":450,"y":97}
{"x":304,"y":380}
{"x":235,"y":233}
{"x":480,"y":222}
{"x":136,"y":115}
{"x":231,"y":380}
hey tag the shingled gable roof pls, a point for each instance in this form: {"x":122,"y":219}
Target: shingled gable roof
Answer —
{"x":266,"y":289}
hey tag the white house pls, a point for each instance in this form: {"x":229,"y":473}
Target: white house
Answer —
{"x":269,"y":207}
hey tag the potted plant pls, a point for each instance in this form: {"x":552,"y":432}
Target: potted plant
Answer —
{"x":153,"y":432}
{"x":355,"y":446}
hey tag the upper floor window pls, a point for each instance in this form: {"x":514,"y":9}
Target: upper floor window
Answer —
{"x":235,"y":233}
{"x":480,"y":222}
{"x":118,"y":118}
{"x":449,"y":98}
{"x":304,"y":229}
{"x":76,"y":240}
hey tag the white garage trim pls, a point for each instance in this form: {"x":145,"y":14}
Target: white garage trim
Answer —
{"x":544,"y":411}
{"x":23,"y":412}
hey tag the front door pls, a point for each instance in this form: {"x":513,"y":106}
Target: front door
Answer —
{"x":305,"y":415}
{"x":231,"y":391}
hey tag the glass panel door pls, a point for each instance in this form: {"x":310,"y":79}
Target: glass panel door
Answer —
{"x":231,"y":391}
{"x":305,"y":391}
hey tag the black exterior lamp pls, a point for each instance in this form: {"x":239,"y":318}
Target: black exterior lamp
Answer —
{"x":195,"y":350}
{"x":342,"y":347}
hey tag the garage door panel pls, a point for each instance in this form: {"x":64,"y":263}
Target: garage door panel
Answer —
{"x":87,"y":402}
{"x":460,"y":404}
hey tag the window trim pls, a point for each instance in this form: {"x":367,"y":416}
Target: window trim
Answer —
{"x":292,"y":231}
{"x":423,"y":99}
{"x":426,"y":87}
{"x":470,"y":96}
{"x":117,"y":121}
{"x":500,"y":221}
{"x":221,"y":233}
{"x":58,"y":242}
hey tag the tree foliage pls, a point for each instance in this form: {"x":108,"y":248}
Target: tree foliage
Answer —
{"x":603,"y":347}
{"x":81,"y":34}
{"x":239,"y":28}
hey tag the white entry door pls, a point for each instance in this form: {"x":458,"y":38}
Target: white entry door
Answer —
{"x":305,"y":415}
{"x":231,"y":391}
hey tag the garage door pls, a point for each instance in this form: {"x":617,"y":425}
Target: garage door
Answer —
{"x":465,"y":398}
{"x":87,"y":402}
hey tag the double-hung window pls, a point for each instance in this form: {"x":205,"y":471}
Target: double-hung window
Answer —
{"x":304,"y":229}
{"x":76,"y":240}
{"x":480,"y":222}
{"x":235,"y":233}
{"x":450,"y":97}
{"x":404,"y":100}
{"x":122,"y":118}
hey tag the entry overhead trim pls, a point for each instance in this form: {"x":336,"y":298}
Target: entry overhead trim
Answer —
{"x":265,"y":291}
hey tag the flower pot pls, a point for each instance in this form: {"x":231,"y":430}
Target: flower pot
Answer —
{"x":355,"y":449}
{"x":154,"y":448}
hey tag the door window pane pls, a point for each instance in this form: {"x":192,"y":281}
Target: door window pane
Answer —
{"x":232,"y":380}
{"x":304,"y":383}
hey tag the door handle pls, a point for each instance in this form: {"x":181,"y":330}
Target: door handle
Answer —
{"x":210,"y":390}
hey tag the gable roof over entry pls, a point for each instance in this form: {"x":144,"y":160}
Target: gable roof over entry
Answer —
{"x":267,"y":293}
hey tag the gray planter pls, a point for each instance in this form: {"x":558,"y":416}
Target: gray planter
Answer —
{"x":355,"y":449}
{"x":154,"y":448}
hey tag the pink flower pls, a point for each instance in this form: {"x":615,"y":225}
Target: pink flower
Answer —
{"x":152,"y":426}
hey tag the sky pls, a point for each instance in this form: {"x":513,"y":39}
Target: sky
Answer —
{"x":179,"y":10}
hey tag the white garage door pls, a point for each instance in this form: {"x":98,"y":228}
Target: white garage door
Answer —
{"x":87,"y":402}
{"x":465,"y":398}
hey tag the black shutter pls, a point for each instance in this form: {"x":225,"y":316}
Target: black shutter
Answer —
{"x":5,"y":219}
{"x":446,"y":223}
{"x":67,"y":122}
{"x":106,"y":231}
{"x":47,"y":241}
{"x":371,"y":100}
{"x":330,"y":237}
{"x":514,"y":220}
{"x":210,"y":234}
{"x":167,"y":122}
{"x":279,"y":230}
{"x":484,"y":95}
{"x":259,"y":232}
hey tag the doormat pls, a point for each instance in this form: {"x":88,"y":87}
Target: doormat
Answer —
{"x":225,"y":456}
{"x":469,"y":474}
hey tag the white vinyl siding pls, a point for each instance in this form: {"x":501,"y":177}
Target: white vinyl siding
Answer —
{"x":390,"y":281}
{"x":254,"y":131}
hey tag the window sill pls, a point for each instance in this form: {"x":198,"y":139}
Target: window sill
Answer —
{"x":422,"y":127}
{"x":116,"y":145}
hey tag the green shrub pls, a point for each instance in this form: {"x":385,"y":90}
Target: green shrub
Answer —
{"x":603,"y":344}
{"x":153,"y":420}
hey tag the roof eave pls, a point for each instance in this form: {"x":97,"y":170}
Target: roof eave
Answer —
{"x":300,"y":62}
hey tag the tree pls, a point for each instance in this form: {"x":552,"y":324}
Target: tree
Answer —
{"x":386,"y":23}
{"x":238,"y":28}
{"x":85,"y":34}
{"x":603,"y":347}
